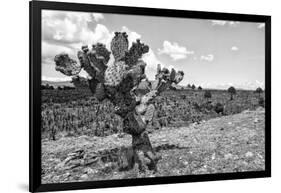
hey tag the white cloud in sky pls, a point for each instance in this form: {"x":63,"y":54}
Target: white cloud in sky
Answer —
{"x":174,"y":50}
{"x":97,"y":16}
{"x":234,"y":48}
{"x":208,"y":58}
{"x":49,"y":51}
{"x":152,"y":61}
{"x":68,"y":31}
{"x":72,"y":27}
{"x":261,"y":25}
{"x":224,"y":23}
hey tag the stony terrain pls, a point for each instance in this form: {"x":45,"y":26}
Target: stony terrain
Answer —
{"x":224,"y":144}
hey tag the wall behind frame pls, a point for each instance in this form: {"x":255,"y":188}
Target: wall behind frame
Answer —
{"x":14,"y":95}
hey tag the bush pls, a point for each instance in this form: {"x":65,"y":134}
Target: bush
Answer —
{"x":219,"y":108}
{"x":193,"y":87}
{"x":259,"y":91}
{"x":261,"y":102}
{"x":232,"y":92}
{"x":207,"y":94}
{"x":183,"y":96}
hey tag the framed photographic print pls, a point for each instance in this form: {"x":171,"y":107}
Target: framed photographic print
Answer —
{"x":126,"y":96}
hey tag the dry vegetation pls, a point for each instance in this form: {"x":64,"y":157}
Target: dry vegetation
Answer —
{"x":83,"y":140}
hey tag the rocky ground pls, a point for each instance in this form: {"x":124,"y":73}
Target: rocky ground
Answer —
{"x":226,"y":144}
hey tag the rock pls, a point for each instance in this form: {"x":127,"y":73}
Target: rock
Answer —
{"x":89,"y":171}
{"x":72,"y":155}
{"x":84,"y":177}
{"x":249,"y":154}
{"x":228,"y":156}
{"x":59,"y":166}
{"x":185,"y":163}
{"x":256,"y":120}
{"x":66,"y":175}
{"x":56,"y":178}
{"x":68,"y":159}
{"x":214,"y":156}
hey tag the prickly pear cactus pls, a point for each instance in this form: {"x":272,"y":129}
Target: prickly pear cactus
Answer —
{"x":120,"y":83}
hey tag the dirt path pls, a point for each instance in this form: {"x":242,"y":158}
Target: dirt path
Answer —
{"x":225,"y":144}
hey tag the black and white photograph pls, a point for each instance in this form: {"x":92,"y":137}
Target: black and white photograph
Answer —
{"x":135,"y":96}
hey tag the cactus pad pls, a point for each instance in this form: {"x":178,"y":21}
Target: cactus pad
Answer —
{"x":135,"y":53}
{"x":114,"y":74}
{"x":119,"y":45}
{"x":94,"y":61}
{"x":66,"y":65}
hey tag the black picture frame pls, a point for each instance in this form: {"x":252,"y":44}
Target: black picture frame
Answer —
{"x":35,"y":8}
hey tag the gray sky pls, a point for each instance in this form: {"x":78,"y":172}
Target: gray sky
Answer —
{"x":212,"y":53}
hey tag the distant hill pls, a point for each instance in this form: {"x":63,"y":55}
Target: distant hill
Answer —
{"x":57,"y":84}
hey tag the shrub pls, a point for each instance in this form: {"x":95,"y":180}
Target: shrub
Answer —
{"x":259,"y":91}
{"x":207,"y":94}
{"x":219,"y":108}
{"x":193,"y":87}
{"x":183,"y":96}
{"x":232,"y":92}
{"x":261,"y":102}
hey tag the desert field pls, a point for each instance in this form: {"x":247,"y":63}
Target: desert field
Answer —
{"x":194,"y":133}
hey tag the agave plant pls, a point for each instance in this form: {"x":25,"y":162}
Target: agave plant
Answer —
{"x":120,"y":82}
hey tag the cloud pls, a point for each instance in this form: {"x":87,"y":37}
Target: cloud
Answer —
{"x":234,"y":48}
{"x":97,"y":16}
{"x":224,"y":23}
{"x":68,"y":31}
{"x":261,"y":25}
{"x":72,"y":27}
{"x":49,"y":51}
{"x":208,"y":58}
{"x":174,"y":50}
{"x":152,"y":61}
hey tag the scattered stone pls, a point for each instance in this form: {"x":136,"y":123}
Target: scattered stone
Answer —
{"x":228,"y":156}
{"x":185,"y":163}
{"x":84,"y":177}
{"x":249,"y":154}
{"x":59,"y":166}
{"x":89,"y":171}
{"x":256,"y":120}
{"x":214,"y":156}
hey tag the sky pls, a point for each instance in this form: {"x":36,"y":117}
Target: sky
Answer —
{"x":212,"y":53}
